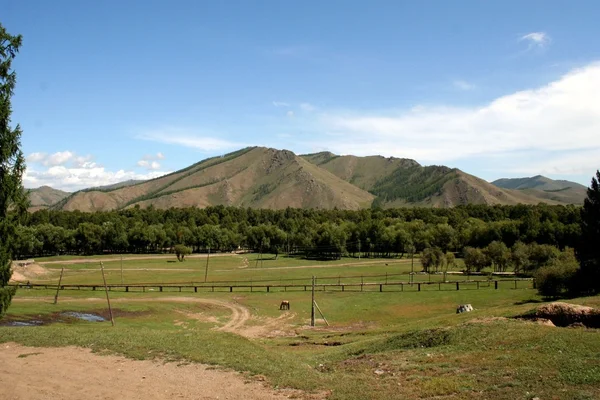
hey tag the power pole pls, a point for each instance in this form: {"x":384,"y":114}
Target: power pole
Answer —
{"x":206,"y":269}
{"x":112,"y":321}
{"x":312,"y":304}
{"x":58,"y":287}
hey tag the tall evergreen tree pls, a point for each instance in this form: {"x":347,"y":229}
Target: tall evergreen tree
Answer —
{"x":12,"y":165}
{"x":589,"y":248}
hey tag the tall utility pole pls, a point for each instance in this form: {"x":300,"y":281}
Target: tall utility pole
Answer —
{"x":58,"y":287}
{"x":112,"y":320}
{"x":312,"y":304}
{"x":206,"y":269}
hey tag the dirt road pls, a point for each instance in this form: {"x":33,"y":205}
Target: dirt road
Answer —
{"x":72,"y":373}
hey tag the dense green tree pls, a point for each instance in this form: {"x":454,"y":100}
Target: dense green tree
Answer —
{"x":588,"y":250}
{"x":519,"y":257}
{"x":432,"y":257}
{"x":475,"y":259}
{"x":498,"y":254}
{"x":541,"y":255}
{"x":12,"y":164}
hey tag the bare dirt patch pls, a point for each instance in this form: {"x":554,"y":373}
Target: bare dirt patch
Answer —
{"x":565,"y":314}
{"x":24,"y":273}
{"x":29,"y":373}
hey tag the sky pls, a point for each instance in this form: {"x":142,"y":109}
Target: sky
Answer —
{"x":114,"y":90}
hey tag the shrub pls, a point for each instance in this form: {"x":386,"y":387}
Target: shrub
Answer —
{"x":555,"y":280}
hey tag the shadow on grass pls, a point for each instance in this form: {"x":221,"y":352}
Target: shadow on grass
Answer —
{"x":529,"y":301}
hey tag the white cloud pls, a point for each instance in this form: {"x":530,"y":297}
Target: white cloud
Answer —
{"x":463,"y":85}
{"x":307,"y":107}
{"x":561,"y":116}
{"x":536,"y":39}
{"x":280,"y":104}
{"x":151,"y":165}
{"x":184,"y":138}
{"x":290,"y":114}
{"x":58,"y":158}
{"x":36,"y":157}
{"x":149,"y":161}
{"x":72,"y":179}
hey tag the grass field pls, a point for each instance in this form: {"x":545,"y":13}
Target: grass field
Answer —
{"x":379,"y":345}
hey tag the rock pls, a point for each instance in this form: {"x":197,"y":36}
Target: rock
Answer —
{"x":464,"y":308}
{"x":379,"y":371}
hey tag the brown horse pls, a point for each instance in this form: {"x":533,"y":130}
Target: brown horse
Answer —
{"x":285,"y":305}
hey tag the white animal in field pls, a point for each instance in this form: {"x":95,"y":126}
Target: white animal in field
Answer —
{"x":464,"y":308}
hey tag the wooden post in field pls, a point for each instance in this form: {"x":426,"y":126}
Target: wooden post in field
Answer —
{"x":206,"y":269}
{"x":121,"y":269}
{"x":58,"y":287}
{"x":112,"y":321}
{"x":320,"y":312}
{"x":312,"y":304}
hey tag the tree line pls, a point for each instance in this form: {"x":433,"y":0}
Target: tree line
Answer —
{"x":312,"y":233}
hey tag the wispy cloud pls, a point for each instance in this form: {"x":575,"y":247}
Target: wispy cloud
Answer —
{"x":281,"y":104}
{"x":59,"y":158}
{"x":188,"y":138}
{"x":307,"y":107}
{"x":463,"y":85}
{"x":150,"y":161}
{"x":290,"y":114}
{"x":562,"y":117}
{"x":536,"y":40}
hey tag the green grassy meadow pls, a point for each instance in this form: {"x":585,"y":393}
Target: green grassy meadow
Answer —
{"x":393,"y":344}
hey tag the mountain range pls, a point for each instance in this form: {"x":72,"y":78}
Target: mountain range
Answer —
{"x":262,"y":177}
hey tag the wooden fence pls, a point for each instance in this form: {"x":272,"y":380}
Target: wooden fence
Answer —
{"x":362,"y":286}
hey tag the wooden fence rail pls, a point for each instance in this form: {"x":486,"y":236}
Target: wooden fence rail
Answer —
{"x":415,"y":286}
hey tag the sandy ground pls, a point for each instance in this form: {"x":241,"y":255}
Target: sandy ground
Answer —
{"x":32,"y":373}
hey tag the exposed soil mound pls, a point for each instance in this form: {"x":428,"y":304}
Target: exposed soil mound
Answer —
{"x":564,"y":314}
{"x":23,"y":272}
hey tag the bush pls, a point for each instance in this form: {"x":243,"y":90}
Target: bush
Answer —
{"x":181,"y":251}
{"x":556,"y":280}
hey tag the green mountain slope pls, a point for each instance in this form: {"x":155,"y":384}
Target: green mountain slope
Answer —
{"x":546,"y":189}
{"x":252,"y":177}
{"x":400,"y":182}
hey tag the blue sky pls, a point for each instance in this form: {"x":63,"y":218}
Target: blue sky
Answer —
{"x":114,"y":90}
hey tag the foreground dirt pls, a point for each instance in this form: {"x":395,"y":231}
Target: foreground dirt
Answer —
{"x":32,"y":373}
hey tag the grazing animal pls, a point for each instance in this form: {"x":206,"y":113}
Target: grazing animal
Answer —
{"x":464,"y":308}
{"x":285,"y":305}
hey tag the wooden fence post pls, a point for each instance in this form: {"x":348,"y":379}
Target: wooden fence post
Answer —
{"x":58,"y":287}
{"x":112,"y":321}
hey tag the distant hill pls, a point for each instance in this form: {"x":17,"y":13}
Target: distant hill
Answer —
{"x":45,"y":196}
{"x":400,"y":182}
{"x":262,"y":177}
{"x":253,"y":177}
{"x":546,"y":188}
